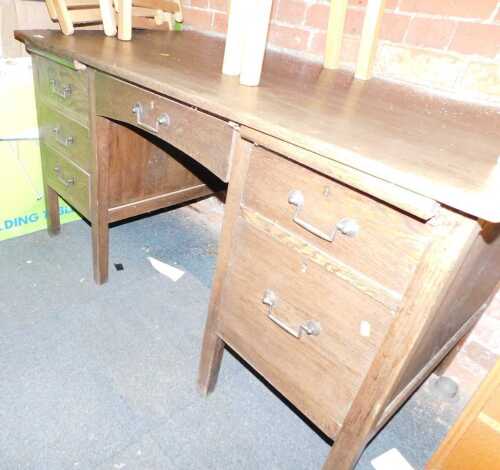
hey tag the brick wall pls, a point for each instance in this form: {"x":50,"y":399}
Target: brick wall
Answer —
{"x":448,"y":45}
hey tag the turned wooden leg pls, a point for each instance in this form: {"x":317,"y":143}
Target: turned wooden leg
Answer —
{"x":211,"y":358}
{"x":63,"y":16}
{"x":125,"y":20}
{"x":52,"y":210}
{"x":108,"y":17}
{"x":100,"y":250}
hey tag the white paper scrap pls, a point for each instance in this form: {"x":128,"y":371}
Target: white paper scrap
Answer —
{"x":391,"y":460}
{"x":172,"y":273}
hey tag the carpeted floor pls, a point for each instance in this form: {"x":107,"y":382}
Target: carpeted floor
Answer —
{"x":105,"y":377}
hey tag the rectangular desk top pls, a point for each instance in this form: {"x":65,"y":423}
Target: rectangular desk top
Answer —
{"x":440,"y":148}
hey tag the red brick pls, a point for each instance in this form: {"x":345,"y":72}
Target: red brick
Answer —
{"x":468,"y":374}
{"x":480,"y":355}
{"x":394,"y":27}
{"x":493,"y":310}
{"x":198,"y":19}
{"x":291,"y":12}
{"x":317,"y":16}
{"x":290,"y":38}
{"x":199,"y":3}
{"x":429,"y":32}
{"x":354,"y":22}
{"x":474,"y":38}
{"x":487,"y":333}
{"x":389,"y":4}
{"x":220,"y":22}
{"x":318,"y":43}
{"x":463,"y":8}
{"x":219,"y":5}
{"x":274,"y":10}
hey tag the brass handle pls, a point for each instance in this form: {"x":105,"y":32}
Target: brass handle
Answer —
{"x":65,"y":181}
{"x":310,"y":327}
{"x":348,"y":227}
{"x":65,"y":141}
{"x":162,"y":120}
{"x":64,"y":91}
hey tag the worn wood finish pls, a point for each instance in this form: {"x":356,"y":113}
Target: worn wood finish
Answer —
{"x":386,"y":249}
{"x":319,"y":374}
{"x":474,"y":283}
{"x":410,"y":202}
{"x":213,"y":346}
{"x":369,"y":39}
{"x":107,"y":170}
{"x":405,"y":342}
{"x":398,"y":160}
{"x":359,"y":281}
{"x":71,"y":182}
{"x":473,"y":441}
{"x":335,"y":33}
{"x":205,"y":138}
{"x":418,"y":141}
{"x":430,"y":285}
{"x":64,"y":135}
{"x":63,"y":88}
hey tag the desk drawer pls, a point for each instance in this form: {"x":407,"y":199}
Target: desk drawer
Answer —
{"x":319,"y":373}
{"x":65,"y":136}
{"x":63,"y":88}
{"x":385,"y":245}
{"x":205,"y":138}
{"x":67,"y":179}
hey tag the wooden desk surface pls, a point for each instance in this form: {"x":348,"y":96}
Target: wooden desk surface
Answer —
{"x":440,"y":148}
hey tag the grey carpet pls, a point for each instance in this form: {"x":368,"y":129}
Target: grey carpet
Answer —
{"x":104,"y":377}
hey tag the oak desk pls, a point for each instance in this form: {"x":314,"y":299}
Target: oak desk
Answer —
{"x":361,"y":234}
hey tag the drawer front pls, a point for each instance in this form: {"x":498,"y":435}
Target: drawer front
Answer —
{"x":268,"y":293}
{"x":67,"y":179}
{"x":204,"y":138}
{"x":65,"y":136}
{"x":63,"y":88}
{"x":371,"y":237}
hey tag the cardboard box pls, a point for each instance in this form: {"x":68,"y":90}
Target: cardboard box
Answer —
{"x":22,"y":208}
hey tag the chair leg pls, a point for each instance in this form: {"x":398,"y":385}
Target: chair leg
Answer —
{"x":64,"y":17}
{"x":108,"y":17}
{"x":52,"y":9}
{"x":125,"y":20}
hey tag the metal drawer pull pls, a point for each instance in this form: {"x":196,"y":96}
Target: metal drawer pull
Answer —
{"x":65,"y":141}
{"x":310,"y":327}
{"x":161,"y":120}
{"x":64,"y":92}
{"x":65,"y":181}
{"x":348,"y":227}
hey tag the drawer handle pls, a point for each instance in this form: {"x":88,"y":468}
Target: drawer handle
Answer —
{"x":65,"y":181}
{"x":63,"y":91}
{"x":161,"y":120}
{"x":348,"y":227}
{"x":60,"y":139}
{"x":310,"y":327}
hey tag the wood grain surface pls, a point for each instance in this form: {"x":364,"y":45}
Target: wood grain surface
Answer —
{"x":437,"y":147}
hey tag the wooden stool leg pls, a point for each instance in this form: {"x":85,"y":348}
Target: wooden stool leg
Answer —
{"x":125,"y":20}
{"x":100,"y":251}
{"x":108,"y":17}
{"x":52,"y":210}
{"x":63,"y":17}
